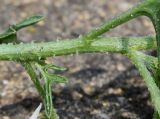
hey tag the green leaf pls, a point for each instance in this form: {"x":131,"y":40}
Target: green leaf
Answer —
{"x":8,"y":32}
{"x":54,"y":67}
{"x":8,"y":36}
{"x":52,"y":78}
{"x":56,"y":78}
{"x":28,"y":21}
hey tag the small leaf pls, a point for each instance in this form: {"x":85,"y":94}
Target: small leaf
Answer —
{"x":7,"y":33}
{"x":56,"y":78}
{"x":43,"y":68}
{"x":54,"y":67}
{"x":8,"y":36}
{"x":28,"y":21}
{"x":53,"y":77}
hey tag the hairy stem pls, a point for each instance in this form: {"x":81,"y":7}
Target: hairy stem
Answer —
{"x":36,"y":51}
{"x":31,"y":72}
{"x":112,"y":23}
{"x":149,"y":80}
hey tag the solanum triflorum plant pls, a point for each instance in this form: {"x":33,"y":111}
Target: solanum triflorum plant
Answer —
{"x":32,"y":55}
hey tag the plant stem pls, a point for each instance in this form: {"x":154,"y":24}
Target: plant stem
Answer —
{"x":36,"y":51}
{"x":156,"y":115}
{"x":50,"y":112}
{"x":32,"y":74}
{"x":120,"y":19}
{"x":149,"y":80}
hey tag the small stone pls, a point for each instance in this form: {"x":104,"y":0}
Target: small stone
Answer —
{"x":5,"y":82}
{"x":105,"y":104}
{"x":89,"y":89}
{"x":76,"y":118}
{"x":126,"y":115}
{"x":41,"y":23}
{"x":95,"y":111}
{"x":103,"y":116}
{"x":117,"y":91}
{"x":76,"y":95}
{"x":120,"y":67}
{"x":6,"y":117}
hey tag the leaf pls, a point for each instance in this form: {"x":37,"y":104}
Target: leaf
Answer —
{"x":28,"y":21}
{"x":49,"y":77}
{"x":53,"y":77}
{"x":8,"y":36}
{"x":54,"y":67}
{"x":56,"y":78}
{"x":8,"y":32}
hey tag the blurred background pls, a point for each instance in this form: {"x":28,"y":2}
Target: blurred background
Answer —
{"x":101,"y":86}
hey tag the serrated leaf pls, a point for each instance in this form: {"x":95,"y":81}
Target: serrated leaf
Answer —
{"x":28,"y":21}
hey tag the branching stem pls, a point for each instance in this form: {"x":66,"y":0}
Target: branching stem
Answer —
{"x":36,"y":51}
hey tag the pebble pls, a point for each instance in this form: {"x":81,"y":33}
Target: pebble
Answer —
{"x":120,"y":67}
{"x":115,"y":91}
{"x":76,"y":95}
{"x":88,"y":89}
{"x":6,"y":117}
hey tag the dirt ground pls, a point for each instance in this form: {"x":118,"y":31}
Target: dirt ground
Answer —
{"x":101,"y":86}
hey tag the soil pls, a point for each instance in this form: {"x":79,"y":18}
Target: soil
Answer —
{"x":101,"y":86}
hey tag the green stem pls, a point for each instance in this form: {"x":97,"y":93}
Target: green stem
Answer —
{"x":136,"y":11}
{"x":36,"y":51}
{"x":32,"y":74}
{"x":156,"y":115}
{"x":50,"y":112}
{"x":149,"y":80}
{"x":156,"y":23}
